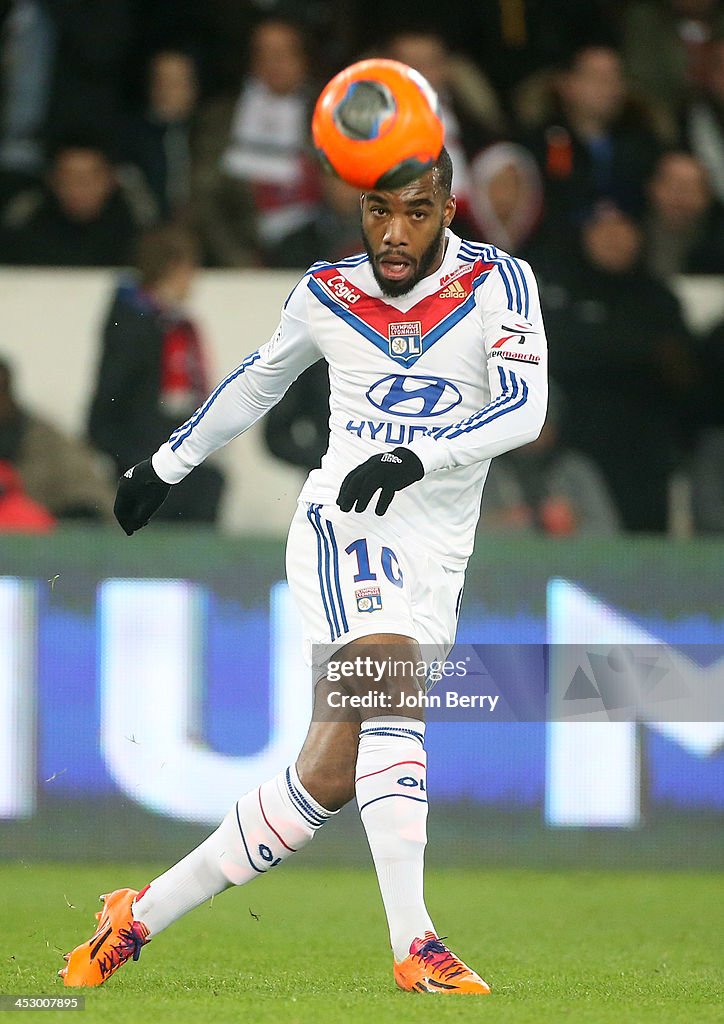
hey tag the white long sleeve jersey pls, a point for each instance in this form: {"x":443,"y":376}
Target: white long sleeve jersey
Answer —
{"x":455,"y":370}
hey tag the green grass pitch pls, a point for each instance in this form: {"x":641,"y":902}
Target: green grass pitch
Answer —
{"x":309,"y":945}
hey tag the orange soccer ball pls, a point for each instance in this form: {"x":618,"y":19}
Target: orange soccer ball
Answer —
{"x":377,"y":125}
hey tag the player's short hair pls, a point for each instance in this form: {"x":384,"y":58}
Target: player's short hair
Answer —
{"x":442,"y":169}
{"x":160,"y":249}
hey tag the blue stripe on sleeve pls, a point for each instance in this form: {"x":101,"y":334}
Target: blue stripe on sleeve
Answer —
{"x":525,"y":287}
{"x":492,"y":412}
{"x":182,"y":432}
{"x":510,"y":272}
{"x":503,"y":261}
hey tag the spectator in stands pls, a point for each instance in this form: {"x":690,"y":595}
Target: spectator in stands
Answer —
{"x":152,"y":370}
{"x":664,"y":45}
{"x":704,"y":118}
{"x":471,"y":112}
{"x":596,"y":146}
{"x":335,"y":231}
{"x":684,"y":226}
{"x":175,"y":26}
{"x":92,"y":44}
{"x":60,"y":474}
{"x":256,"y":178}
{"x":329,"y":25}
{"x":507,"y":39}
{"x":548,"y":488}
{"x":296,"y":430}
{"x":81,"y":217}
{"x":27,"y":50}
{"x":62,"y":67}
{"x":158,"y":141}
{"x":621,"y":354}
{"x":506,"y":197}
{"x":337,"y":226}
{"x":18,"y":512}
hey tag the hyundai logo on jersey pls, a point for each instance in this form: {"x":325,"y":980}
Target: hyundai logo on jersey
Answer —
{"x":414,"y":396}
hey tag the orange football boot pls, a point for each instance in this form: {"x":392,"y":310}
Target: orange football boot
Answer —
{"x":117,"y":938}
{"x":432,"y":968}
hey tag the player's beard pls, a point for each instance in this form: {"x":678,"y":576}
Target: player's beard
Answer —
{"x":427,"y":260}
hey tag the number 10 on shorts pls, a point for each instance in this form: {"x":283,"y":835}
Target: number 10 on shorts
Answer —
{"x":388,"y":560}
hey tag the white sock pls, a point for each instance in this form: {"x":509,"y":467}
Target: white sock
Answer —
{"x":391,"y":787}
{"x":260,"y":831}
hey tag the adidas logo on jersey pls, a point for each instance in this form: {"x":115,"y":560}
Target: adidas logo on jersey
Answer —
{"x":453,"y":291}
{"x":129,"y":472}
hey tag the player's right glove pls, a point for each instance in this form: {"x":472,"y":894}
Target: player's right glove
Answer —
{"x":141,"y":492}
{"x":387,"y":473}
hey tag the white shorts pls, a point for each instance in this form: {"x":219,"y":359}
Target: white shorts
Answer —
{"x":350,"y":578}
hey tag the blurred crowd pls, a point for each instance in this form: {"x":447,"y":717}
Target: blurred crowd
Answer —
{"x":587,"y":138}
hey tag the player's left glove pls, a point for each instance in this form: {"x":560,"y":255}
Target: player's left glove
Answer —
{"x":141,"y":492}
{"x":387,"y":473}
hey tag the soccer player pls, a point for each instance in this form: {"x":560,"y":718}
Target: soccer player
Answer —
{"x":437,"y":363}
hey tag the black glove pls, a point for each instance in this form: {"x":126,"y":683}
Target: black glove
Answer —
{"x":141,"y":492}
{"x":387,"y":473}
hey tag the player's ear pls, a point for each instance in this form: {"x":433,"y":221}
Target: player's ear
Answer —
{"x":449,"y":210}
